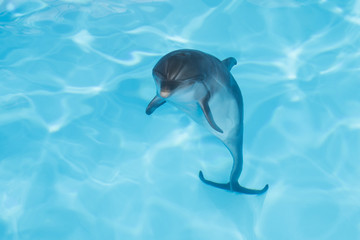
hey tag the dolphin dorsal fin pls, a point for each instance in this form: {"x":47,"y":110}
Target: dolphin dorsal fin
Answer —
{"x":229,"y":62}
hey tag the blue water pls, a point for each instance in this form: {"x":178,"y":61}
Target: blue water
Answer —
{"x":80,"y":159}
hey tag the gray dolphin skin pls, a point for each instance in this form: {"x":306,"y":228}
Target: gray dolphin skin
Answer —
{"x":203,"y":87}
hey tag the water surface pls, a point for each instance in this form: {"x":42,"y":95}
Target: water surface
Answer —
{"x":80,"y":159}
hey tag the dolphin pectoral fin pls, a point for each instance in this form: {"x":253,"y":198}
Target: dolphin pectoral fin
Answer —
{"x":233,"y":187}
{"x":229,"y":62}
{"x":154,"y":104}
{"x":208,"y":115}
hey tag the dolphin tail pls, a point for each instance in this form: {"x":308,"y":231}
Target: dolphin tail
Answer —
{"x":233,"y":186}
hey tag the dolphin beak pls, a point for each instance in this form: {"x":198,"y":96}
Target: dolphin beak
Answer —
{"x":164,"y":93}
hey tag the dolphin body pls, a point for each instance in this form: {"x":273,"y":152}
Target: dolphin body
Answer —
{"x":203,"y":87}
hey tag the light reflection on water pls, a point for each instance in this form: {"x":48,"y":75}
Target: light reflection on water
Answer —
{"x":79,"y":158}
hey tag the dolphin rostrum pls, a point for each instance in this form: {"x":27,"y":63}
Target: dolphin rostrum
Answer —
{"x":203,"y":87}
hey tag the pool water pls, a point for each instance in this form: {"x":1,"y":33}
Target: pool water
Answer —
{"x":80,"y":159}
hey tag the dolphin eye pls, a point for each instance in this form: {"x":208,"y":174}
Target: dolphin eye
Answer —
{"x":193,"y":79}
{"x":188,"y":81}
{"x":173,"y":84}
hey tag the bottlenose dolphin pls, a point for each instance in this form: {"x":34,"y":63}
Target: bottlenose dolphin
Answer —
{"x":203,"y":87}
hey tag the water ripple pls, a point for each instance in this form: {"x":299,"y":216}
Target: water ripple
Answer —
{"x":78,"y":152}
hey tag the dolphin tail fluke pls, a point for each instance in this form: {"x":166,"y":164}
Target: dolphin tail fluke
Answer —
{"x":233,"y":187}
{"x":225,"y":186}
{"x":237,"y":188}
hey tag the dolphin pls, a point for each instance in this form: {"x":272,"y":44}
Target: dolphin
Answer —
{"x":202,"y":86}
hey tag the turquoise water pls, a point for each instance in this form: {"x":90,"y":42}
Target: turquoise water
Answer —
{"x":80,"y":159}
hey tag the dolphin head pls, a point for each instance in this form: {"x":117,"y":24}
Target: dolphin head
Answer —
{"x":176,"y":88}
{"x":176,"y":74}
{"x":166,"y":86}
